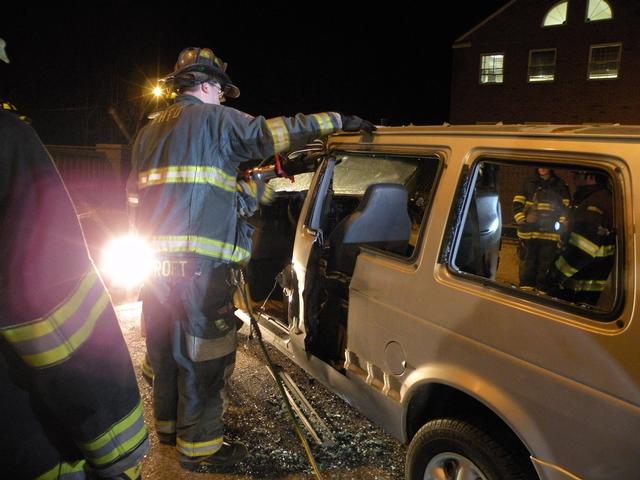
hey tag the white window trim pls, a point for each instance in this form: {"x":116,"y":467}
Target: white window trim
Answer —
{"x":555,"y":62}
{"x":552,"y":8}
{"x":488,"y":54}
{"x":589,"y":62}
{"x":588,"y":20}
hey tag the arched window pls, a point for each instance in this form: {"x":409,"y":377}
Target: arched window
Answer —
{"x":557,"y":15}
{"x":598,"y":10}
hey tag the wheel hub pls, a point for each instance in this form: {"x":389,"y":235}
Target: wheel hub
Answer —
{"x":452,"y":466}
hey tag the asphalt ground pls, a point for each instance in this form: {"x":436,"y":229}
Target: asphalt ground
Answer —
{"x":257,"y":417}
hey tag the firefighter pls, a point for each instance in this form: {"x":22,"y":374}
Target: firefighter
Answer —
{"x":70,"y":406}
{"x":540,"y":212}
{"x":580,"y":272}
{"x":193,"y":210}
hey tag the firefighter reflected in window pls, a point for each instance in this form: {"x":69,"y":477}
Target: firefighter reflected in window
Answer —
{"x":579,"y":274}
{"x":540,"y":211}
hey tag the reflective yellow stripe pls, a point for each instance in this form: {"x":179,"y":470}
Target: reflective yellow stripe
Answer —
{"x":53,"y":339}
{"x":146,"y":368}
{"x":279,"y":133}
{"x":324,"y":122}
{"x":65,"y":471}
{"x":249,"y":187}
{"x":519,"y":199}
{"x":200,"y":245}
{"x":554,"y":237}
{"x":133,"y":473}
{"x":118,"y":441}
{"x":519,"y":217}
{"x":268,"y":194}
{"x":544,"y":207}
{"x":564,"y":267}
{"x":593,"y":208}
{"x":586,"y":285}
{"x":64,"y":351}
{"x":589,"y":247}
{"x":48,"y":324}
{"x":607,"y":250}
{"x":566,"y":202}
{"x":187,"y":174}
{"x":165,"y":426}
{"x":198,"y":449}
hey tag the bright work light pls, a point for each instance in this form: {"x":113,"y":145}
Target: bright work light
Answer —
{"x":127,"y":261}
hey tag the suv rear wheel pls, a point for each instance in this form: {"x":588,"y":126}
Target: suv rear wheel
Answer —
{"x":449,"y":448}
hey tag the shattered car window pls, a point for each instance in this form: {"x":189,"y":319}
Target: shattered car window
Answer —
{"x":300,"y":183}
{"x":355,"y":173}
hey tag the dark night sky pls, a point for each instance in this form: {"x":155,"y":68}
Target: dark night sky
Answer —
{"x":70,"y":61}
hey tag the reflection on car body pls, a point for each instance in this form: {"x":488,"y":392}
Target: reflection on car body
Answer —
{"x":391,"y":274}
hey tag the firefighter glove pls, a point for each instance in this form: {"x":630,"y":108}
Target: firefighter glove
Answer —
{"x":352,"y":123}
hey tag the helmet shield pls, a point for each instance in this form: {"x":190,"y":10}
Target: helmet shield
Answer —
{"x":196,"y":65}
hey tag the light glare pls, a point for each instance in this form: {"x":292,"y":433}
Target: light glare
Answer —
{"x":127,"y":261}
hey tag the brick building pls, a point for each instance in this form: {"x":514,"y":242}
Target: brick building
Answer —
{"x":557,"y":61}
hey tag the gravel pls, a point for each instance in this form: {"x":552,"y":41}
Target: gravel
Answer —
{"x":257,"y":417}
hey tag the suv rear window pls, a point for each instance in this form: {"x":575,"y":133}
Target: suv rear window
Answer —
{"x":551,"y":231}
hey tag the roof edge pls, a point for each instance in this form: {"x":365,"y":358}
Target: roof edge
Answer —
{"x":490,"y":17}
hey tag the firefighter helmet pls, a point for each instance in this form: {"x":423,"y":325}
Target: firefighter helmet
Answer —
{"x":197,"y":65}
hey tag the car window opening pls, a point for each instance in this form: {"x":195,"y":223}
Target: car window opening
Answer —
{"x":546,"y":230}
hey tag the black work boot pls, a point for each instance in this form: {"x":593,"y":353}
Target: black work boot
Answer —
{"x":223,"y":460}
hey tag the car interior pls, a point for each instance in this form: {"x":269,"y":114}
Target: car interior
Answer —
{"x":376,"y":203}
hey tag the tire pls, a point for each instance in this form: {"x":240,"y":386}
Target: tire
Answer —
{"x":446,"y":447}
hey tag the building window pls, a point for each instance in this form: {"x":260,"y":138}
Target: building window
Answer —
{"x":542,"y":65}
{"x":557,"y":15}
{"x":604,"y":61}
{"x":492,"y":68}
{"x":598,"y":10}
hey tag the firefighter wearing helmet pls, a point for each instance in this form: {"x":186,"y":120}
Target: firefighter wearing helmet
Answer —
{"x":70,"y":405}
{"x":193,"y":209}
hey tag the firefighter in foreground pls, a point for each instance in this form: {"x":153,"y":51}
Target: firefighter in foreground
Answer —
{"x":69,"y":402}
{"x":580,"y":272}
{"x":193,"y":211}
{"x":540,"y":212}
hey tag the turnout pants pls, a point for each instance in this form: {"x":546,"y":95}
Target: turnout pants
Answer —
{"x":191,"y":342}
{"x":536,"y":256}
